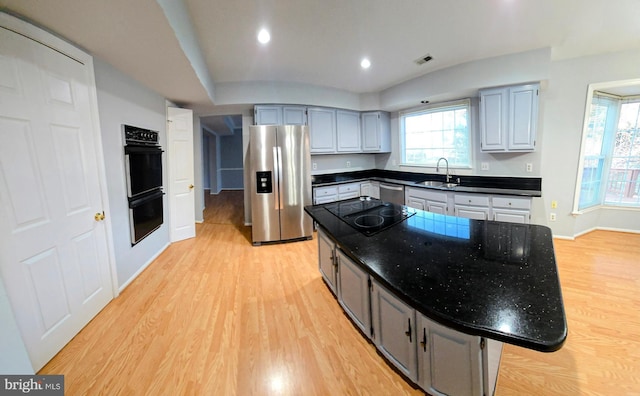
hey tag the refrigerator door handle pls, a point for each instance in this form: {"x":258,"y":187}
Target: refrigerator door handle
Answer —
{"x":276,"y":177}
{"x":279,"y":202}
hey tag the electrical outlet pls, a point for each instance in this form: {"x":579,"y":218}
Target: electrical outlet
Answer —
{"x":552,"y":217}
{"x":484,"y":166}
{"x":554,"y":204}
{"x":314,"y":166}
{"x":348,"y":164}
{"x":529,"y":167}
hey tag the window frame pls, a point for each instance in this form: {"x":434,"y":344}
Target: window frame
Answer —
{"x":433,"y":108}
{"x":597,"y":89}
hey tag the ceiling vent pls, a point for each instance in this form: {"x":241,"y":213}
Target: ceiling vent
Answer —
{"x":423,"y":59}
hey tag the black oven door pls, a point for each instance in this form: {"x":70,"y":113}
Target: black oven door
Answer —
{"x":145,"y":214}
{"x":144,"y":169}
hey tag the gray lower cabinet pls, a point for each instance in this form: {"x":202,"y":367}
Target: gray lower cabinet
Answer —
{"x":327,"y":260}
{"x":449,"y":362}
{"x":442,"y":361}
{"x":353,"y":292}
{"x":394,"y":330}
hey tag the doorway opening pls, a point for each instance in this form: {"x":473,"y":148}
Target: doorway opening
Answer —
{"x":223,"y":169}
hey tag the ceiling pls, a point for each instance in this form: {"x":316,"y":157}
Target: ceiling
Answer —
{"x":183,"y":48}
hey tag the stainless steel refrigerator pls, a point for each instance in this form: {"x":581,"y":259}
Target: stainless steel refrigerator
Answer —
{"x":280,"y":163}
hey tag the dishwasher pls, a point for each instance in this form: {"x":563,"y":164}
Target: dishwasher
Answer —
{"x":392,"y":193}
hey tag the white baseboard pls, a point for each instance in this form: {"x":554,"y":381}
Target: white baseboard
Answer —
{"x":138,"y":272}
{"x":612,"y":229}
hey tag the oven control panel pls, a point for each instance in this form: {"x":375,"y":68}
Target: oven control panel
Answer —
{"x":136,"y":135}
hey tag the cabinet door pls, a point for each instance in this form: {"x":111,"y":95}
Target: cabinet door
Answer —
{"x":294,"y":115}
{"x":267,"y":115}
{"x":370,"y":131}
{"x":365,"y":189}
{"x":348,"y":131}
{"x":417,"y":203}
{"x":436,"y":207}
{"x":353,"y":292}
{"x":523,"y":117}
{"x":375,"y":190}
{"x":512,"y":209}
{"x":493,"y":119}
{"x":326,"y":260}
{"x":449,"y":362}
{"x":322,"y":129}
{"x":394,"y":330}
{"x":347,"y":191}
{"x":511,"y":215}
{"x":376,"y":132}
{"x":472,"y":212}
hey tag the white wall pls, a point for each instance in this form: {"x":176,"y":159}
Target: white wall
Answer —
{"x":565,"y":102}
{"x":122,"y":100}
{"x":333,"y":163}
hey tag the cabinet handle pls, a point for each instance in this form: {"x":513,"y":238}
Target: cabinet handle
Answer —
{"x":408,"y":332}
{"x":423,"y":343}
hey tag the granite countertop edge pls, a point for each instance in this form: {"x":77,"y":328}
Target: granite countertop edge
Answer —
{"x":541,"y":345}
{"x":410,"y":180}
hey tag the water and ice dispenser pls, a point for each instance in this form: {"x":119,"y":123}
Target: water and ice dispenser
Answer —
{"x":264,"y":182}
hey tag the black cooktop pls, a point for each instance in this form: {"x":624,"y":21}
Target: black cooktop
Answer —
{"x":369,"y":215}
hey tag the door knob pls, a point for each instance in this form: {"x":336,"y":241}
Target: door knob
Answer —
{"x":99,"y":216}
{"x":190,"y":186}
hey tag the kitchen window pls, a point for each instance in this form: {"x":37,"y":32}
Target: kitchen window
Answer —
{"x":611,"y":153}
{"x":440,"y":130}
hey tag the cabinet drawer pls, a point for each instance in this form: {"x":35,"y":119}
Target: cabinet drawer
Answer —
{"x":349,"y":188}
{"x":431,"y":195}
{"x":472,"y":200}
{"x":511,"y":203}
{"x":325,"y":191}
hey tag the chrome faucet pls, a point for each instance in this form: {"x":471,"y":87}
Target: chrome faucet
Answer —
{"x":438,"y":167}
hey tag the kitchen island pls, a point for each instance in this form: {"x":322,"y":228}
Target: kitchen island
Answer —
{"x":468,"y":285}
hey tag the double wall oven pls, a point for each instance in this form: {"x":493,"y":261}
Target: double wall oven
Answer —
{"x":143,"y":164}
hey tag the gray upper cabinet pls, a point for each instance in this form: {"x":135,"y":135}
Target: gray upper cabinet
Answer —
{"x":348,"y":131}
{"x":509,"y":118}
{"x":376,"y":132}
{"x":294,"y":115}
{"x":267,"y":115}
{"x":322,"y":129}
{"x":280,"y":115}
{"x":332,"y":131}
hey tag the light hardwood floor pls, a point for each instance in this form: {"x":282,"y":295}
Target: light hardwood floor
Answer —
{"x":216,"y":316}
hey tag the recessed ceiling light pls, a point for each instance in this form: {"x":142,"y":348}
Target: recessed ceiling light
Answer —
{"x":365,"y":63}
{"x":264,"y":36}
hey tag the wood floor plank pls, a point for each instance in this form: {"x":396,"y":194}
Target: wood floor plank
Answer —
{"x":216,"y":315}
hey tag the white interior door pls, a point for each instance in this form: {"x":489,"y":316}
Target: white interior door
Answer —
{"x":54,"y":254}
{"x":181,"y":174}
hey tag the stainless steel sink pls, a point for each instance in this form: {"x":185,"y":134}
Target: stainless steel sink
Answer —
{"x":430,"y":183}
{"x":436,"y":184}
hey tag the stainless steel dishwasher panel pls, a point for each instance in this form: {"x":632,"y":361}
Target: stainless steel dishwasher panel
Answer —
{"x":392,"y":193}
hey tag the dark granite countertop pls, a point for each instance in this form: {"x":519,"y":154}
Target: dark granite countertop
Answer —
{"x":492,"y":279}
{"x":499,"y":185}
